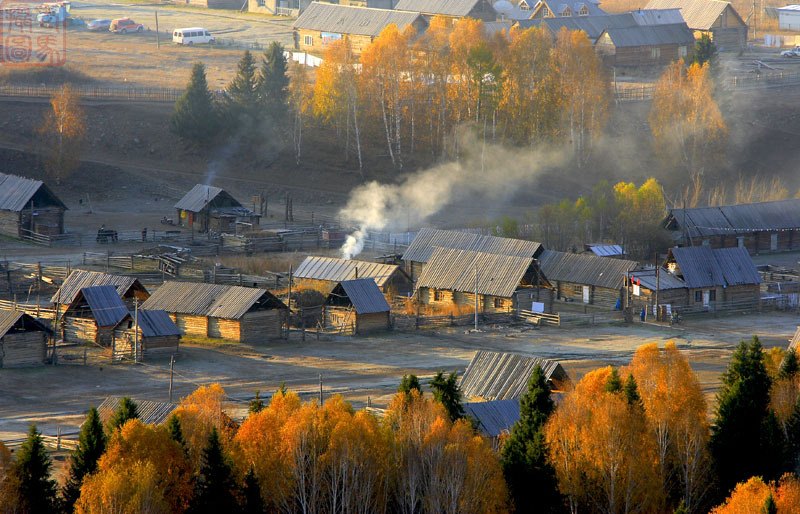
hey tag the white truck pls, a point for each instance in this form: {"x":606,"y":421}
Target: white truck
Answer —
{"x":794,"y":52}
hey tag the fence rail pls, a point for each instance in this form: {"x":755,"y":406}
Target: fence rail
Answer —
{"x":148,"y":94}
{"x":32,"y":309}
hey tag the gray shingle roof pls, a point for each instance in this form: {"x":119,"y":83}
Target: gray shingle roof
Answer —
{"x":337,"y":270}
{"x":214,"y":300}
{"x":200,"y":196}
{"x":365,"y":296}
{"x":106,"y":305}
{"x":651,"y":35}
{"x":657,"y":16}
{"x":585,"y":269}
{"x":494,"y":417}
{"x":499,"y":375}
{"x":665,"y":281}
{"x":700,"y":266}
{"x":154,"y":323}
{"x":446,"y":7}
{"x":602,"y":250}
{"x":454,"y":270}
{"x":698,"y":14}
{"x":9,"y":319}
{"x":79,"y":279}
{"x":733,"y":219}
{"x":342,"y":19}
{"x":423,"y":245}
{"x":16,"y":192}
{"x":150,"y":412}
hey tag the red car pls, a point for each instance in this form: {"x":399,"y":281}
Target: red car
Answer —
{"x":125,"y":25}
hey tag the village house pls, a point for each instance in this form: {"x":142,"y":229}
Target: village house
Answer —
{"x":216,"y":311}
{"x":759,"y":227}
{"x":23,"y":340}
{"x":501,"y":376}
{"x":586,"y":279}
{"x":210,"y":208}
{"x":92,"y":315}
{"x":427,"y":240}
{"x":325,"y":273}
{"x":154,"y":331}
{"x":789,"y":17}
{"x":453,"y":9}
{"x":128,"y":288}
{"x":715,"y":275}
{"x":672,"y":290}
{"x":644,"y":45}
{"x":28,"y":207}
{"x":358,"y":304}
{"x":713,"y":17}
{"x":323,"y":23}
{"x":278,"y":7}
{"x":561,"y":8}
{"x":216,"y":4}
{"x":453,"y":277}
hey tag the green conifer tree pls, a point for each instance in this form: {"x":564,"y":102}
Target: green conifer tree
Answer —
{"x":408,"y":383}
{"x":705,"y":51}
{"x":447,"y":392}
{"x":790,"y":365}
{"x":253,"y":502}
{"x":176,"y":432}
{"x":127,"y":410}
{"x":256,"y":404}
{"x":273,"y":86}
{"x":769,"y":506}
{"x":215,"y":487}
{"x":529,"y":475}
{"x":613,"y":382}
{"x":37,"y":491}
{"x":91,"y":446}
{"x":681,"y":509}
{"x":631,"y":391}
{"x":282,"y":388}
{"x":194,"y":117}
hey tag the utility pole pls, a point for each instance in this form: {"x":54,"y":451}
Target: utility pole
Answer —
{"x":135,"y":330}
{"x":658,"y":287}
{"x":320,"y":390}
{"x":171,"y":365}
{"x":476,"y":297}
{"x":158,"y":36}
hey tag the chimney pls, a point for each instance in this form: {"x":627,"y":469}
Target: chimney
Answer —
{"x":356,"y":272}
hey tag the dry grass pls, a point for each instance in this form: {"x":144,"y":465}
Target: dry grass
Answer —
{"x":50,"y":75}
{"x":258,"y":264}
{"x":408,"y":306}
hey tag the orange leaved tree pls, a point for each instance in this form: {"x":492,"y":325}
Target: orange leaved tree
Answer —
{"x":199,"y":413}
{"x":64,"y":131}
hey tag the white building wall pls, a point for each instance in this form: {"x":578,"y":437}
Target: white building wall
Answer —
{"x":789,"y":20}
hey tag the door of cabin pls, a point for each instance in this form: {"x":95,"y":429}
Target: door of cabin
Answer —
{"x":586,"y":294}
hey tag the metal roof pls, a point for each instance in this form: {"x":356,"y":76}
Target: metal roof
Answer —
{"x":500,"y":375}
{"x":793,"y":7}
{"x":735,"y":219}
{"x":700,"y":266}
{"x":200,"y":195}
{"x":585,"y":269}
{"x":150,"y":412}
{"x":698,"y":14}
{"x":343,"y":19}
{"x":9,"y":319}
{"x":657,"y":16}
{"x":602,"y":250}
{"x":365,"y":296}
{"x":593,"y":26}
{"x":106,"y":305}
{"x":494,"y":417}
{"x":665,"y":280}
{"x":650,"y":35}
{"x":446,"y":7}
{"x":79,"y":279}
{"x":154,"y":323}
{"x":454,"y":270}
{"x":559,"y":6}
{"x":423,"y":245}
{"x":337,"y":270}
{"x":16,"y":192}
{"x":214,"y":300}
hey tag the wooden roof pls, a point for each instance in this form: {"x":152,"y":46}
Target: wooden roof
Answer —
{"x":499,"y":376}
{"x":444,"y":7}
{"x":364,"y":294}
{"x":663,"y":282}
{"x":79,"y":279}
{"x":428,"y":239}
{"x":201,"y":195}
{"x":585,"y":269}
{"x":16,"y":192}
{"x":700,"y":266}
{"x":343,"y":19}
{"x":699,"y":14}
{"x":20,"y":320}
{"x":153,"y":323}
{"x":336,"y":270}
{"x":150,"y":412}
{"x":213,"y":300}
{"x":651,"y":35}
{"x":494,"y":417}
{"x":735,"y":219}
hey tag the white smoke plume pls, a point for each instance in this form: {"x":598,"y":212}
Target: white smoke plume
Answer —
{"x":492,"y":174}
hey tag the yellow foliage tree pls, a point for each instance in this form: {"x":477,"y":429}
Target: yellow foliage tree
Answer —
{"x":9,"y":493}
{"x":199,"y":413}
{"x":750,"y":497}
{"x":125,"y":490}
{"x":64,"y":131}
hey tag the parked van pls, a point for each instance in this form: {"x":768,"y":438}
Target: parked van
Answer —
{"x":192,"y":36}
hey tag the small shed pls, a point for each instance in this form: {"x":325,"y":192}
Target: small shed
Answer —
{"x":23,"y":340}
{"x":789,"y":17}
{"x":358,"y":304}
{"x":29,"y":206}
{"x":716,"y":18}
{"x":92,"y":315}
{"x":494,"y":418}
{"x":150,"y":412}
{"x":212,"y":208}
{"x":128,"y":288}
{"x":325,"y":273}
{"x":500,"y":375}
{"x":236,"y":313}
{"x":157,"y":333}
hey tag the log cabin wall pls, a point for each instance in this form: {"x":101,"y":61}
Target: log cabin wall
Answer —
{"x":259,"y":326}
{"x":79,"y":330}
{"x":373,"y":322}
{"x":9,"y":223}
{"x":23,"y":349}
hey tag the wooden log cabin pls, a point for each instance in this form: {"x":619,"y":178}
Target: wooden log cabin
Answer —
{"x":715,"y":275}
{"x":642,"y":46}
{"x":128,"y":288}
{"x":92,"y":315}
{"x":427,"y":240}
{"x":452,"y":9}
{"x":234,"y":313}
{"x":357,"y":306}
{"x":644,"y":283}
{"x":23,"y":340}
{"x":761,"y":227}
{"x":325,"y":273}
{"x":718,"y":19}
{"x":322,"y":23}
{"x":586,"y":279}
{"x":29,"y":206}
{"x":450,"y":278}
{"x":211,"y":208}
{"x":563,"y":8}
{"x":154,"y":331}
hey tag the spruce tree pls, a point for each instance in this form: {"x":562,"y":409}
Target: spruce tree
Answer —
{"x":447,"y":392}
{"x":282,"y":388}
{"x":409,"y":383}
{"x":273,"y":86}
{"x":769,"y":506}
{"x":789,"y":366}
{"x":253,"y":502}
{"x":681,"y":509}
{"x":613,"y":382}
{"x":91,"y":446}
{"x":215,"y":489}
{"x":126,"y":411}
{"x":631,"y":391}
{"x":256,"y":404}
{"x":194,"y":117}
{"x":705,"y":51}
{"x":242,"y":91}
{"x":176,"y":432}
{"x":37,"y":492}
{"x":524,"y":457}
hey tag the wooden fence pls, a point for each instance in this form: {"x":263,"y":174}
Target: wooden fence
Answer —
{"x":32,"y":309}
{"x":148,"y":94}
{"x":53,"y":442}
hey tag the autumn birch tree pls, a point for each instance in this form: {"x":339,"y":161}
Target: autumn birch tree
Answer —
{"x":300,"y":97}
{"x":64,"y":132}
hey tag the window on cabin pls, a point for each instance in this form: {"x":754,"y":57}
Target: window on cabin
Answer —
{"x":130,"y":324}
{"x":261,"y":3}
{"x":523,"y":6}
{"x":545,"y":12}
{"x":566,"y":13}
{"x":698,"y":296}
{"x":655,"y":53}
{"x":712,"y":295}
{"x":498,"y":303}
{"x":584,"y":11}
{"x":577,"y":289}
{"x":437,"y":295}
{"x":683,"y":51}
{"x":308,"y":40}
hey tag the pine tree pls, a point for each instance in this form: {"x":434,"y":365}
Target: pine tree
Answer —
{"x":789,"y":366}
{"x":613,"y":383}
{"x":215,"y":489}
{"x":632,"y":392}
{"x":705,"y":51}
{"x":447,"y":392}
{"x":256,"y":404}
{"x":127,"y":410}
{"x":253,"y":502}
{"x":176,"y":432}
{"x":769,"y":506}
{"x":91,"y":445}
{"x":282,"y":389}
{"x":273,"y":86}
{"x":408,"y":383}
{"x":530,"y":477}
{"x":37,"y":492}
{"x":194,"y":117}
{"x":681,"y":509}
